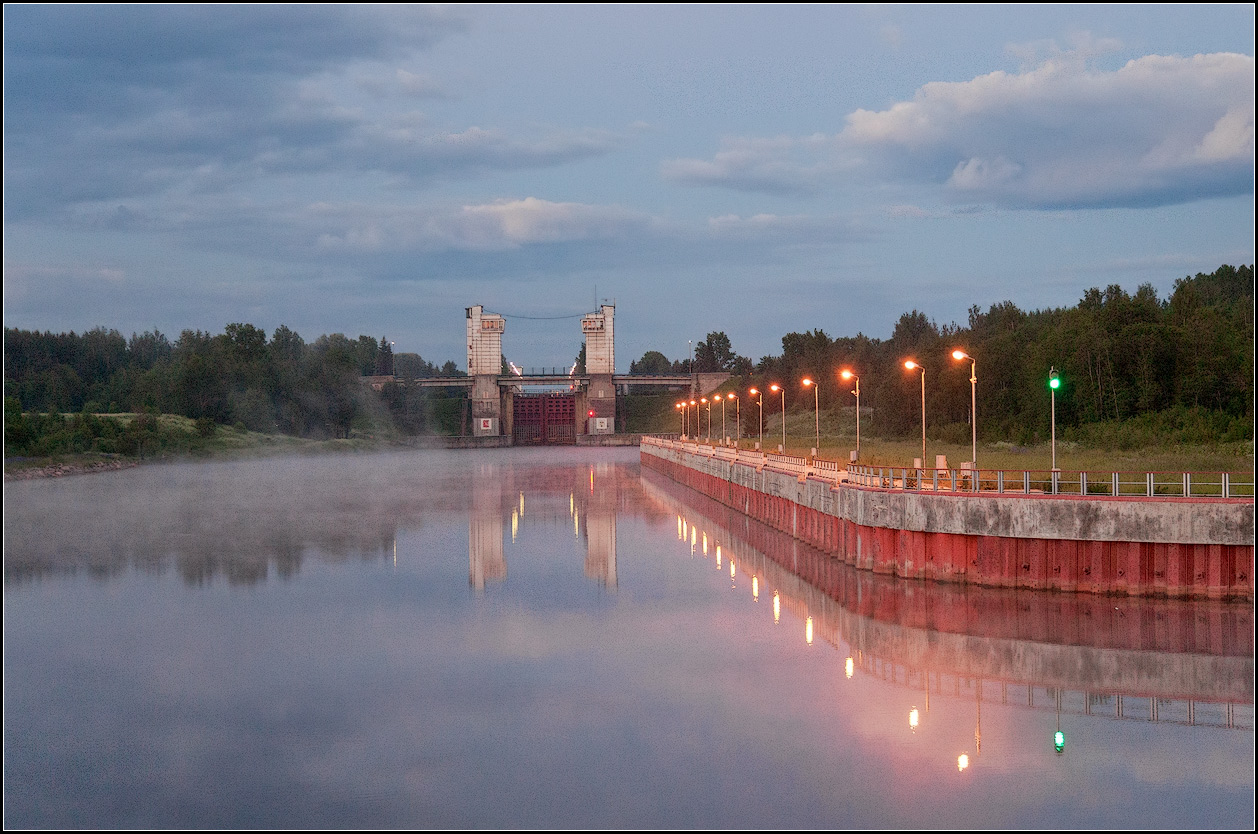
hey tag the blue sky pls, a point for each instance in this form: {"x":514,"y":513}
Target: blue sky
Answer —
{"x":749,"y":169}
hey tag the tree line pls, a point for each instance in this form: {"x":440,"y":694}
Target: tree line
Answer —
{"x":238,"y":377}
{"x":1134,"y":365}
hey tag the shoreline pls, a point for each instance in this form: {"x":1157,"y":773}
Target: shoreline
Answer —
{"x":61,"y":470}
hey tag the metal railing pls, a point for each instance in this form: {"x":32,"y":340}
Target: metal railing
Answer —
{"x":1001,"y":481}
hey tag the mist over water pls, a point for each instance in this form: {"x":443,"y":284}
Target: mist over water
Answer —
{"x":556,"y":638}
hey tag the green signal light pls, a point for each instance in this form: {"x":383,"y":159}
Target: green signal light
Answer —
{"x":1059,"y":741}
{"x":1053,"y":381}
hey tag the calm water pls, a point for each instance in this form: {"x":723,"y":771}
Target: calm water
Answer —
{"x":536,"y":638}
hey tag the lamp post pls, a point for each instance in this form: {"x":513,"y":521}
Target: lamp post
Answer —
{"x":694,"y":409}
{"x":911,"y":365}
{"x":722,"y":399}
{"x":846,"y":374}
{"x":816,"y":407}
{"x":755,"y":391}
{"x":705,"y":401}
{"x":738,"y":419}
{"x":681,"y":411}
{"x":776,"y":387}
{"x":1054,"y":382}
{"x":959,"y":354}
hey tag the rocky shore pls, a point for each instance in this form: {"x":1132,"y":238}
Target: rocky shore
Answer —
{"x":58,"y":470}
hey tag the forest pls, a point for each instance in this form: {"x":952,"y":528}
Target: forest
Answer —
{"x":1180,"y":368}
{"x":237,"y":378}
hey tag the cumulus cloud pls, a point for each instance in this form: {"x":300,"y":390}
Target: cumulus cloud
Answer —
{"x":1159,"y":130}
{"x":1059,"y":134}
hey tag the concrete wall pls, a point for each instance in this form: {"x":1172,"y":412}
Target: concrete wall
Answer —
{"x":1179,"y":547}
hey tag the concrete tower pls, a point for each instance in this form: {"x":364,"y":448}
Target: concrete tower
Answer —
{"x":484,"y":364}
{"x":600,"y":364}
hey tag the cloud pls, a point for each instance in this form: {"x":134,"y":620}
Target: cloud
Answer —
{"x":780,"y":165}
{"x":499,"y":225}
{"x":419,"y":86}
{"x":117,"y":103}
{"x":781,"y":229}
{"x":1160,"y":130}
{"x":420,"y":155}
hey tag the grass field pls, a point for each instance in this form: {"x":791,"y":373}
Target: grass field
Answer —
{"x":801,"y":431}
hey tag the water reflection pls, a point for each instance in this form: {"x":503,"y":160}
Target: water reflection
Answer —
{"x":252,"y":520}
{"x":1075,"y":656}
{"x":554,"y":638}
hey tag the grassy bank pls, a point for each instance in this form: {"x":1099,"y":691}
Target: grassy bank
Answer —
{"x":42,"y":444}
{"x":1108,"y":450}
{"x":88,"y":442}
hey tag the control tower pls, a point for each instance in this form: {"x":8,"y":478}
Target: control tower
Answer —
{"x":484,"y":364}
{"x":600,"y":365}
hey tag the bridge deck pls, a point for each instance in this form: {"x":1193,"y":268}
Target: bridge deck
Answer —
{"x":551,"y":379}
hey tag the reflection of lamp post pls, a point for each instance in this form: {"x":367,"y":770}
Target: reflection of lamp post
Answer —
{"x":911,"y":365}
{"x":846,"y":374}
{"x":1059,"y":738}
{"x":816,"y":413}
{"x":738,"y":419}
{"x":959,"y":355}
{"x":755,"y":391}
{"x":776,"y":387}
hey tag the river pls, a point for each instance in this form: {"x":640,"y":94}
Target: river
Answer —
{"x":556,"y":638}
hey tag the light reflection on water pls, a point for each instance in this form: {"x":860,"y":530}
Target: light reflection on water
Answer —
{"x":529,"y":638}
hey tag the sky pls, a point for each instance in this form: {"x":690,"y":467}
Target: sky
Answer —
{"x":748,"y":169}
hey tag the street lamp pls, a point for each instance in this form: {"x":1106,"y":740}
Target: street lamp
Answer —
{"x":709,"y":405}
{"x":682,"y":412}
{"x":776,"y":387}
{"x":959,"y":354}
{"x":718,"y":397}
{"x":846,"y":374}
{"x":694,"y":409}
{"x":1054,"y":382}
{"x":816,"y":407}
{"x":738,"y":419}
{"x":755,"y":391}
{"x":911,"y":365}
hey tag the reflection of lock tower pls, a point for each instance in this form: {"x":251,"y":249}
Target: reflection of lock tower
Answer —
{"x":600,"y":364}
{"x":484,"y":364}
{"x":600,"y":527}
{"x":486,"y":561}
